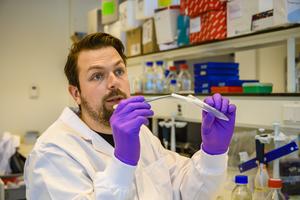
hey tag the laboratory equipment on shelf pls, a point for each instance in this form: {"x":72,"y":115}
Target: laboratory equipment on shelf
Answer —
{"x":275,"y":193}
{"x":184,"y":79}
{"x":160,"y":77}
{"x":173,"y":125}
{"x":241,"y":190}
{"x":149,"y":79}
{"x":172,"y":84}
{"x":261,"y":177}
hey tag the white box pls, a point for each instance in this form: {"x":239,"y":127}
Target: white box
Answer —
{"x":166,"y":24}
{"x":127,"y":15}
{"x":94,"y":21}
{"x":286,"y":11}
{"x":115,"y":29}
{"x":145,"y":9}
{"x":239,"y":16}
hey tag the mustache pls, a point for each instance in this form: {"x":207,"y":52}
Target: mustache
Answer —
{"x":113,"y":93}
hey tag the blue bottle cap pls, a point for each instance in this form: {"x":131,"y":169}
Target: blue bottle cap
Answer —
{"x":173,"y":81}
{"x":159,"y":62}
{"x":241,"y":179}
{"x":149,"y":64}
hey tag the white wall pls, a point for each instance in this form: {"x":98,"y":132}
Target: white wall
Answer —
{"x":34,"y":43}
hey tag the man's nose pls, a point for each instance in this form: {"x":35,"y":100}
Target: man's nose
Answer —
{"x":112,"y":81}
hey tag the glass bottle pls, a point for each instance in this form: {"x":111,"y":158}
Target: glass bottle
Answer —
{"x":160,"y":77}
{"x":149,"y":79}
{"x":275,"y":193}
{"x":172,"y":80}
{"x":241,"y":190}
{"x":184,"y":78}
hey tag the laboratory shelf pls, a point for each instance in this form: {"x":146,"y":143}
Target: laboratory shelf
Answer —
{"x":270,"y":37}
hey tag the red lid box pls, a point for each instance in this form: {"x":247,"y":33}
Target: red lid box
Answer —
{"x":197,"y":7}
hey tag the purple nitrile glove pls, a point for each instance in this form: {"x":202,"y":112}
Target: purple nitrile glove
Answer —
{"x":126,"y":122}
{"x":217,"y":133}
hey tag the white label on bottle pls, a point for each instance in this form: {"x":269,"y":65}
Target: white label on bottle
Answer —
{"x":195,"y":25}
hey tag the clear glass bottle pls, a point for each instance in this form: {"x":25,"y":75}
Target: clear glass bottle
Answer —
{"x":241,"y":190}
{"x":275,"y":193}
{"x":172,"y":80}
{"x":261,"y":182}
{"x":160,"y":77}
{"x":149,"y":79}
{"x":184,"y":78}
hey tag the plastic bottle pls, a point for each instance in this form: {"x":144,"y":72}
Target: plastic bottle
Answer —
{"x":241,"y":191}
{"x":172,"y":80}
{"x":184,"y":78}
{"x":275,"y":186}
{"x":149,"y":79}
{"x":160,"y":77}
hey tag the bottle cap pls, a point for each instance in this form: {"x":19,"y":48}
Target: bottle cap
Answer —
{"x":159,"y":62}
{"x":173,"y":68}
{"x":275,"y":183}
{"x":241,"y":179}
{"x":149,"y":64}
{"x":173,"y":81}
{"x":184,"y":66}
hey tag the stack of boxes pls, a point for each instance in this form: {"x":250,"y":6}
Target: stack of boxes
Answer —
{"x":208,"y":20}
{"x":218,"y":77}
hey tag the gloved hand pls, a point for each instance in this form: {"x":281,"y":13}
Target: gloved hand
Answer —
{"x":217,"y":133}
{"x":126,"y":122}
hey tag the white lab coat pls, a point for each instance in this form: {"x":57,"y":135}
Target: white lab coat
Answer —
{"x":70,"y":161}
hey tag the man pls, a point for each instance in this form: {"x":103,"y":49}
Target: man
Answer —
{"x":101,"y":153}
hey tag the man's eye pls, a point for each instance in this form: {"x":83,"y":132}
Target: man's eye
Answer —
{"x":97,"y":77}
{"x":119,"y":72}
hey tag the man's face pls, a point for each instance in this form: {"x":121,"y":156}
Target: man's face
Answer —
{"x":103,"y":83}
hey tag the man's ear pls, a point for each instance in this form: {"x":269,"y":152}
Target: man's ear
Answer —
{"x":75,"y":93}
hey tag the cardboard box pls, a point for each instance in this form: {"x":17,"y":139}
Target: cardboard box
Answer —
{"x":110,"y":11}
{"x":127,"y":15}
{"x":208,"y":27}
{"x":166,"y":24}
{"x":134,"y":42}
{"x":239,"y":16}
{"x":149,"y":37}
{"x":198,"y":7}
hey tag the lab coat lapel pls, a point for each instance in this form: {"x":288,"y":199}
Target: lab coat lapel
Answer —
{"x":72,"y":120}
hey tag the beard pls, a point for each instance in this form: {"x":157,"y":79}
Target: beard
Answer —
{"x":102,"y":113}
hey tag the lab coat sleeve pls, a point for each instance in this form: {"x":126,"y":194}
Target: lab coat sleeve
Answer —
{"x":53,"y":174}
{"x":199,"y":177}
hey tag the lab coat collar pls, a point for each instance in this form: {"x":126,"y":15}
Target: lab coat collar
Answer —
{"x":70,"y":117}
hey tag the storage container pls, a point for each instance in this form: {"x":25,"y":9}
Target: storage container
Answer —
{"x":127,"y":15}
{"x":264,"y":88}
{"x":145,"y":9}
{"x":110,"y":11}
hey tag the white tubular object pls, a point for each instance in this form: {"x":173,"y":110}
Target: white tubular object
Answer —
{"x":173,"y":138}
{"x":1,"y":190}
{"x":276,"y":173}
{"x":203,"y":105}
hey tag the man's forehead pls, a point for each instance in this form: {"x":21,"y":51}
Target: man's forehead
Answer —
{"x":99,"y":57}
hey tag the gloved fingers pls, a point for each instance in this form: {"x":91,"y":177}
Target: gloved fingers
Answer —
{"x":209,"y":100}
{"x":217,"y":101}
{"x":231,"y":108}
{"x":136,"y":123}
{"x":125,"y":102}
{"x":130,"y":107}
{"x":225,"y":104}
{"x":140,"y":112}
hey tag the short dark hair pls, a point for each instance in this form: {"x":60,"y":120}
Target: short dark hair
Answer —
{"x":90,"y":42}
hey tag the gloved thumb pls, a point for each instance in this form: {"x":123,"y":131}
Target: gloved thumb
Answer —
{"x":207,"y":121}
